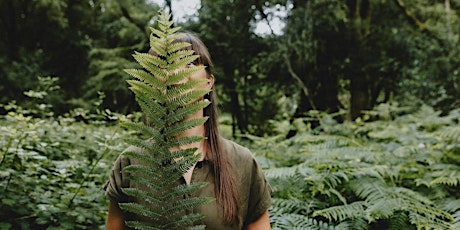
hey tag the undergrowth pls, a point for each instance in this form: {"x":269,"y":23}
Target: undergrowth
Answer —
{"x":391,"y":172}
{"x":388,"y":173}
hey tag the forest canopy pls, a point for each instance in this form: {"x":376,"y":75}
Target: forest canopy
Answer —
{"x":342,"y":57}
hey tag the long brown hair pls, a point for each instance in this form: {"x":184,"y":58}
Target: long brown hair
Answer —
{"x":224,"y":183}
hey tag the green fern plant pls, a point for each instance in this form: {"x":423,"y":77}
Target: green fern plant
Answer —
{"x":398,"y":173}
{"x":165,"y":104}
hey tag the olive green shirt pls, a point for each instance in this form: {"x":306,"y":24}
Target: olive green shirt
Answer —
{"x":253,"y":188}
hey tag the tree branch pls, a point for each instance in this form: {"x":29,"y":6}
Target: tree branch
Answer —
{"x":297,"y":78}
{"x":422,"y":26}
{"x":264,"y":16}
{"x":409,"y":15}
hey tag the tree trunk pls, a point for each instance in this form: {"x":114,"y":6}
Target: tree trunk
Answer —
{"x":9,"y":23}
{"x":360,"y":97}
{"x":236,"y":110}
{"x":359,"y":82}
{"x":326,"y":97}
{"x":235,"y":107}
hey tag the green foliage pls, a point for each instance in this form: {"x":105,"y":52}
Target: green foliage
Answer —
{"x":166,"y":104}
{"x":122,"y":27}
{"x":400,"y":172}
{"x":52,"y":171}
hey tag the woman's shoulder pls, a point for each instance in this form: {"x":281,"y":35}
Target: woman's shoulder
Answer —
{"x":236,"y":152}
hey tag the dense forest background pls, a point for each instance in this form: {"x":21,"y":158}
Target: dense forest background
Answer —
{"x":351,"y":109}
{"x":336,"y":56}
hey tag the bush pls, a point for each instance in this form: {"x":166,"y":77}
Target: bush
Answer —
{"x":52,"y":171}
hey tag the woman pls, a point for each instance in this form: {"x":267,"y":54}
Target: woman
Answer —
{"x":241,"y":192}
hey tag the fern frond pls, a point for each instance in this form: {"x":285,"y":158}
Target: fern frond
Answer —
{"x":177,"y":76}
{"x":182,"y":141}
{"x":186,"y":221}
{"x":184,"y":189}
{"x":177,"y":97}
{"x":153,"y":111}
{"x":173,"y":30}
{"x":139,"y":209}
{"x":164,"y":22}
{"x":154,"y":64}
{"x":342,"y":212}
{"x":178,"y":154}
{"x":384,"y":208}
{"x":446,"y":174}
{"x":181,"y":63}
{"x":140,"y":225}
{"x":158,"y":46}
{"x":182,"y":88}
{"x":145,"y":196}
{"x":177,"y":51}
{"x":152,"y":80}
{"x":144,"y":90}
{"x":450,"y":181}
{"x":155,"y":169}
{"x":182,"y":95}
{"x":140,"y":155}
{"x":422,"y":222}
{"x":141,"y":128}
{"x":369,"y":189}
{"x":180,"y":167}
{"x":183,"y":112}
{"x":398,"y":221}
{"x":186,"y":98}
{"x":136,"y":170}
{"x":451,"y":133}
{"x":156,"y":34}
{"x":383,"y":201}
{"x":450,"y":205}
{"x":178,"y":128}
{"x":326,"y":182}
{"x":148,"y":184}
{"x":151,"y":145}
{"x":198,"y":227}
{"x":175,"y":207}
{"x":358,"y":223}
{"x":293,"y":205}
{"x":299,"y":222}
{"x":456,"y":221}
{"x":282,"y":172}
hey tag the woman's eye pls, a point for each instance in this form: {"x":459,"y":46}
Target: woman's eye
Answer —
{"x":191,"y":64}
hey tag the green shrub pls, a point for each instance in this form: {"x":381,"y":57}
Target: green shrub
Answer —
{"x":52,"y":171}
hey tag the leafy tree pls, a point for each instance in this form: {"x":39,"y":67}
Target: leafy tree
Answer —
{"x":122,"y":27}
{"x":366,"y":52}
{"x":232,"y":53}
{"x":83,"y":43}
{"x":434,"y":75}
{"x":58,"y":46}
